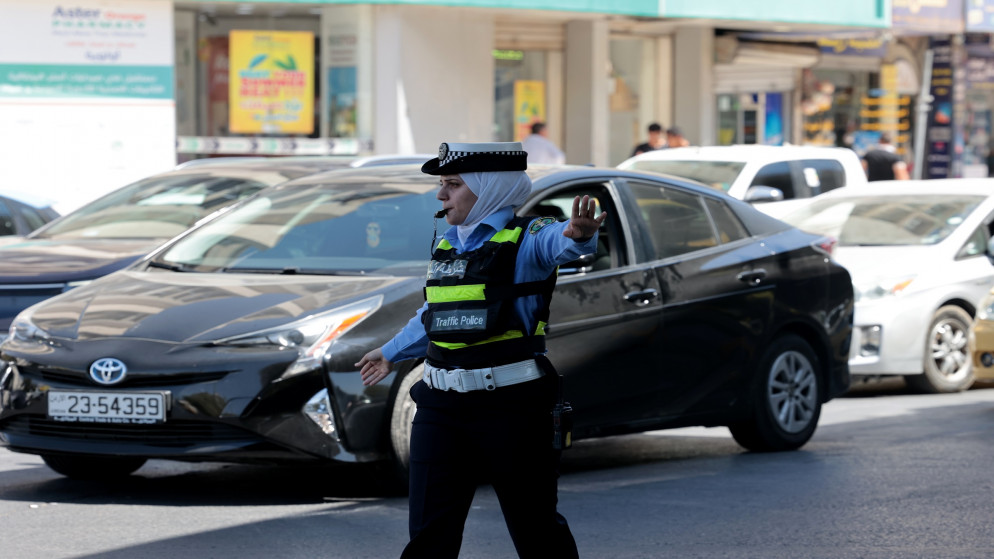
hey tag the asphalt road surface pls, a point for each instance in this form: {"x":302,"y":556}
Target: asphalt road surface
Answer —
{"x":888,"y":474}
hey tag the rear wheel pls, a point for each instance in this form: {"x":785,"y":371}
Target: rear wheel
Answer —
{"x":93,"y":467}
{"x":786,"y":402}
{"x":947,"y":366}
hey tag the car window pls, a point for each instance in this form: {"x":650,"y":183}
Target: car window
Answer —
{"x":776,"y":175}
{"x":31,"y":216}
{"x":728,"y":224}
{"x":610,"y":251}
{"x":885,"y":220}
{"x":677,"y":220}
{"x":823,"y":175}
{"x":975,"y":245}
{"x":7,"y":224}
{"x":157,"y":207}
{"x":365,"y":228}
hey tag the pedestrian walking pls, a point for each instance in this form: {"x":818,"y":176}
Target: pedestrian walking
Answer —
{"x":882,"y":162}
{"x":540,"y":148}
{"x":484,"y":402}
{"x":655,"y":141}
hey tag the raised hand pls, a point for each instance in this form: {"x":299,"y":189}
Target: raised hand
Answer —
{"x":582,"y":224}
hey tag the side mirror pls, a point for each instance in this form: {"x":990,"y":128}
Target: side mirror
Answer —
{"x":759,"y":193}
{"x":581,"y":265}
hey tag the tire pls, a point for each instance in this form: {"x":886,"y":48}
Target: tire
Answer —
{"x":946,"y":367}
{"x":785,"y":398}
{"x":401,"y":421}
{"x":86,"y":467}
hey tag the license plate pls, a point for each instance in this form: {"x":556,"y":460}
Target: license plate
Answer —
{"x":107,"y":407}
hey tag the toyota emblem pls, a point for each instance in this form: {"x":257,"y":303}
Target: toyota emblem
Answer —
{"x":108,"y":370}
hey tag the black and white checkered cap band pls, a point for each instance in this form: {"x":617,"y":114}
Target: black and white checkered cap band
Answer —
{"x":449,"y":152}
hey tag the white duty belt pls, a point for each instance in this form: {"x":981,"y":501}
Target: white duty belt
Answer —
{"x":487,"y":378}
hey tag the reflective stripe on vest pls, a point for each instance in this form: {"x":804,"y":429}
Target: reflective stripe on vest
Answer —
{"x":452,"y":293}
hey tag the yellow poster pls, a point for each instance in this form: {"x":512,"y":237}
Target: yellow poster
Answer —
{"x":529,"y":106}
{"x":271,"y":82}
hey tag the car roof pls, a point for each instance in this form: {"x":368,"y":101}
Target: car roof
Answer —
{"x":742,"y":152}
{"x":321,"y":161}
{"x":920,"y":187}
{"x":542,"y":176}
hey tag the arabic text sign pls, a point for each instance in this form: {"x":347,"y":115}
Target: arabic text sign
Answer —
{"x":271,"y":82}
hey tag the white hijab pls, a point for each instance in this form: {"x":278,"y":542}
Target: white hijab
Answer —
{"x":494,"y":190}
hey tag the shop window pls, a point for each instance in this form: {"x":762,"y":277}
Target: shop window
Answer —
{"x":520,"y":94}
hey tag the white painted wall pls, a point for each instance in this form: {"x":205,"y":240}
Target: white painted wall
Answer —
{"x":434,"y":78}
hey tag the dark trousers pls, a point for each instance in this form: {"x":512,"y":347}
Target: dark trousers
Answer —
{"x":503,"y":438}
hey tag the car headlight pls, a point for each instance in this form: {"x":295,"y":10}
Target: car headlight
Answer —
{"x":310,"y":336}
{"x":985,"y":310}
{"x":23,"y":330}
{"x":882,"y":287}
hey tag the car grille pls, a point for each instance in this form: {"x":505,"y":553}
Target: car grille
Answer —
{"x":172,"y":433}
{"x":79,"y":378}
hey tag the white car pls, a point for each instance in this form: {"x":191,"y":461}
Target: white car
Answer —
{"x":773,"y":178}
{"x":921,"y":260}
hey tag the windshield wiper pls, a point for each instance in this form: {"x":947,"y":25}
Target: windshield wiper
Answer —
{"x":168,"y":266}
{"x":294,"y":270}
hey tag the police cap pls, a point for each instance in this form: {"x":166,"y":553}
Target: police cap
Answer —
{"x":477,"y":157}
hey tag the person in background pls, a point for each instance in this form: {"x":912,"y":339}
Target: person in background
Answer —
{"x":656,"y":140}
{"x":882,"y":163}
{"x":488,"y":390}
{"x":675,"y":139}
{"x":540,"y":148}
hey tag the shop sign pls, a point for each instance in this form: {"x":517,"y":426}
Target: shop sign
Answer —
{"x":940,"y":119}
{"x":529,"y":106}
{"x":980,"y":15}
{"x":931,"y":16}
{"x":271,"y":82}
{"x":107,"y":49}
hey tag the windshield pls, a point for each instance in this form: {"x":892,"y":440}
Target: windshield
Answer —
{"x":348,"y":229}
{"x":885,"y":220}
{"x":717,"y":174}
{"x":157,"y":207}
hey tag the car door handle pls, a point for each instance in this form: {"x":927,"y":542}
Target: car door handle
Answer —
{"x":752,"y":276}
{"x":641,"y":298}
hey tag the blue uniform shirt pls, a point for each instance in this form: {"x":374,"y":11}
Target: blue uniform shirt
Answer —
{"x":539,"y":255}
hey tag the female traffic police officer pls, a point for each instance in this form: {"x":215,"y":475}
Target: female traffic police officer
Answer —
{"x":484,"y":405}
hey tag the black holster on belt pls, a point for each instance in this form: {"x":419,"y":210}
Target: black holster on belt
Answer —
{"x":562,"y":411}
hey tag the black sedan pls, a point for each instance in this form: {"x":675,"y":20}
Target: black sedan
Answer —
{"x":237,"y":341}
{"x":117,"y":229}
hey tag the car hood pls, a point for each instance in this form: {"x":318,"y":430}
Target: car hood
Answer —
{"x":46,"y":261}
{"x":870,"y":262}
{"x":193,"y":307}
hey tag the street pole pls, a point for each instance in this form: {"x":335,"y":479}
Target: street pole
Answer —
{"x":921,"y":122}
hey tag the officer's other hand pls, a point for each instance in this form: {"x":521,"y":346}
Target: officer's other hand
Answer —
{"x":582,"y":224}
{"x":374,"y":367}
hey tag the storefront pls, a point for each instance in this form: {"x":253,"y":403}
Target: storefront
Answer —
{"x":756,"y":83}
{"x":154,"y":82}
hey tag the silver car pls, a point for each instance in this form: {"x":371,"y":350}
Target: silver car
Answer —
{"x":920,"y":256}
